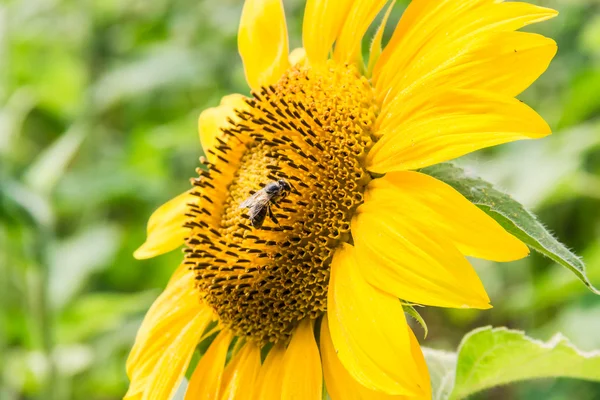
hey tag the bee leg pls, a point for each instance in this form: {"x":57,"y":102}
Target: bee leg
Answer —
{"x":271,"y":215}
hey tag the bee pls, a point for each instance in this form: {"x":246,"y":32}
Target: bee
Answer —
{"x":260,"y":202}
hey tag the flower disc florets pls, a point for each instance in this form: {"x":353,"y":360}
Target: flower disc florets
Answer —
{"x":313,"y":129}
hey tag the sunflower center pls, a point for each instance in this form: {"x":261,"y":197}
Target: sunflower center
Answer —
{"x":312,"y":129}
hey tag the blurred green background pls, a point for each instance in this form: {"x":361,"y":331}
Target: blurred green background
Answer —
{"x":98,"y":127}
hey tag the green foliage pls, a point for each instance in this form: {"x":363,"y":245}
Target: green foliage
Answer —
{"x":413,"y":313}
{"x":511,"y":215}
{"x":442,"y":370}
{"x":490,"y":357}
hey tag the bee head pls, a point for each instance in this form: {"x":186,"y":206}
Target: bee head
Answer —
{"x":284,"y":184}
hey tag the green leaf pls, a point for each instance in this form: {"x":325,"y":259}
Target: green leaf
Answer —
{"x":161,"y":67}
{"x":489,"y":357}
{"x":52,"y":163}
{"x":442,"y":368}
{"x":96,"y":313}
{"x":511,"y":215}
{"x":19,"y":203}
{"x":581,"y":101}
{"x":73,"y":260}
{"x":410,"y":310}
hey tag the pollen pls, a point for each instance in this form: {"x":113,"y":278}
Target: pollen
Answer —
{"x":313,"y":129}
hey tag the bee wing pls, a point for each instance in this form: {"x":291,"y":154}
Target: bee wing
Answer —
{"x":258,"y":199}
{"x":257,"y":214}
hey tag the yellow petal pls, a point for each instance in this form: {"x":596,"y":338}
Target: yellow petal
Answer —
{"x":176,"y":305}
{"x":441,"y":126}
{"x":435,"y":35}
{"x":271,"y":374}
{"x":414,"y":262}
{"x":213,"y":120}
{"x":178,"y":301}
{"x":165,"y":231}
{"x":375,"y":49}
{"x":240,"y":377}
{"x":298,"y":56}
{"x":507,"y":63}
{"x":418,"y":197}
{"x":170,"y":369}
{"x":369,"y":330}
{"x":166,"y":340}
{"x":323,"y":20}
{"x":263,"y":42}
{"x":341,"y":385}
{"x":302,"y":376}
{"x":348,"y":44}
{"x":206,"y":380}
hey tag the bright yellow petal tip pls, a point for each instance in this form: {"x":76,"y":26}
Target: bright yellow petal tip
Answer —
{"x":440,"y":126}
{"x":263,"y":42}
{"x":165,"y":230}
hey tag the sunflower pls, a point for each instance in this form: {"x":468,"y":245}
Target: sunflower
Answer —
{"x":315,"y":294}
